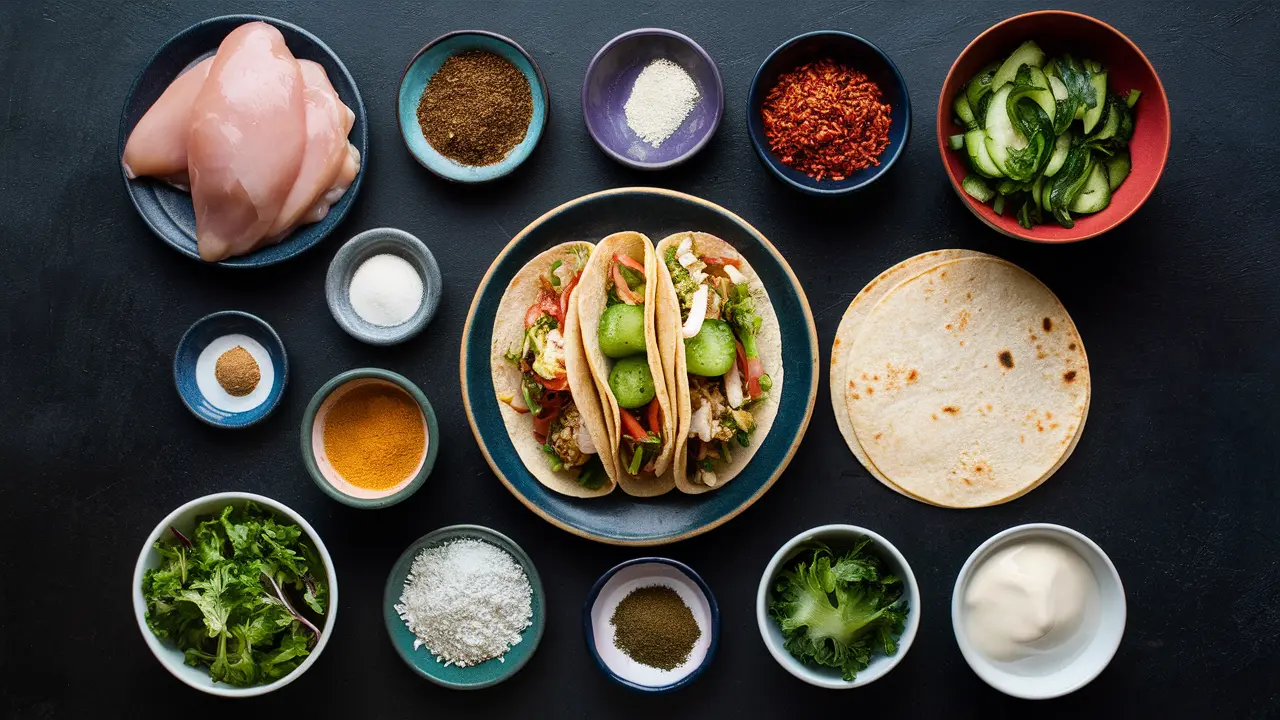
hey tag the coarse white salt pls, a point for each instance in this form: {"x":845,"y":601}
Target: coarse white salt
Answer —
{"x":661,"y":98}
{"x":386,"y":290}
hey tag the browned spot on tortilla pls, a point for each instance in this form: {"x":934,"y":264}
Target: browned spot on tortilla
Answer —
{"x":1072,"y":346}
{"x":864,"y":376}
{"x":1022,"y":438}
{"x":1048,"y":415}
{"x":948,"y":326}
{"x":950,"y":409}
{"x":870,"y":390}
{"x":1053,"y":426}
{"x":963,"y":319}
{"x":979,"y":468}
{"x":1069,"y":376}
{"x":875,"y":377}
{"x":911,"y":376}
{"x":944,"y":273}
{"x":1033,"y":338}
{"x":968,"y":296}
{"x":879,"y":435}
{"x":933,"y":415}
{"x":856,"y":396}
{"x":961,"y":343}
{"x":835,"y":346}
{"x":988,"y":407}
{"x":1006,"y":358}
{"x":1047,"y":325}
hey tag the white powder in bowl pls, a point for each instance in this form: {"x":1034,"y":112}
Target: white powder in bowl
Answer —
{"x":662,"y":97}
{"x":386,"y":290}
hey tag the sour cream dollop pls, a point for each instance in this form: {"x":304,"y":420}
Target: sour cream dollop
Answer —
{"x":1028,"y":598}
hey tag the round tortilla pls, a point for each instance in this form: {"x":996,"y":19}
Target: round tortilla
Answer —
{"x":968,"y":383}
{"x":592,"y":299}
{"x":508,"y":332}
{"x":768,"y":341}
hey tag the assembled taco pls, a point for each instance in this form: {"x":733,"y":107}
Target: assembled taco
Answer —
{"x":722,"y":350}
{"x":548,"y":399}
{"x":616,"y":308}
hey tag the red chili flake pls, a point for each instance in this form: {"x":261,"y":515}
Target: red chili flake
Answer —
{"x":826,"y":120}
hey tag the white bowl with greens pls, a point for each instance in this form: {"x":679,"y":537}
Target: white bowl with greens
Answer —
{"x":242,"y":589}
{"x":838,"y":606}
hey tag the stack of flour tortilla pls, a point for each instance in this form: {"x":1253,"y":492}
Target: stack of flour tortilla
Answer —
{"x":958,"y":379}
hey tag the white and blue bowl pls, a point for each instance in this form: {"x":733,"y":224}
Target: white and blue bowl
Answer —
{"x":427,"y":62}
{"x":219,"y":411}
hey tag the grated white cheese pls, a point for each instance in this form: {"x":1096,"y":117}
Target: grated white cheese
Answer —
{"x":467,"y":601}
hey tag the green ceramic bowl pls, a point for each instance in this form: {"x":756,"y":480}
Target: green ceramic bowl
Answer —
{"x":313,"y":455}
{"x":421,"y":660}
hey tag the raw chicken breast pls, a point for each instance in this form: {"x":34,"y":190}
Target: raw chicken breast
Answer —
{"x":157,"y":147}
{"x":248,"y":135}
{"x":326,"y":170}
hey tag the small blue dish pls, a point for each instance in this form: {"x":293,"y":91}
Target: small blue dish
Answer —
{"x":427,"y":62}
{"x":196,"y":358}
{"x":420,"y":660}
{"x":621,"y":581}
{"x":167,"y":210}
{"x":349,"y":258}
{"x":607,"y":87}
{"x":859,"y":54}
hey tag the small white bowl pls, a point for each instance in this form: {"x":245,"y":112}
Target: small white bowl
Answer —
{"x":838,"y":537}
{"x":169,"y":655}
{"x":1075,"y":667}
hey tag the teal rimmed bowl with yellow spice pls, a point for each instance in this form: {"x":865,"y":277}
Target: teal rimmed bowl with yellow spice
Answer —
{"x":420,"y":659}
{"x":427,"y":62}
{"x":369,"y":438}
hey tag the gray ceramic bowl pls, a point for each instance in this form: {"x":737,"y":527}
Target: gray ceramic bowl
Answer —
{"x":349,"y":258}
{"x":323,"y":473}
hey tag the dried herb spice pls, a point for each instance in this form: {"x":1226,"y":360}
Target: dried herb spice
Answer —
{"x":475,"y":108}
{"x":826,"y":120}
{"x":654,"y":627}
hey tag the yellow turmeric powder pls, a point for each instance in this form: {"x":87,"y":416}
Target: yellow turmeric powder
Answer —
{"x":374,"y":436}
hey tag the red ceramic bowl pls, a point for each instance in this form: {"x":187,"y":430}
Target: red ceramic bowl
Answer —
{"x":1058,"y":31}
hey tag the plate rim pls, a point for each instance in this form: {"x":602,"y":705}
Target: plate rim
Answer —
{"x":469,"y":326}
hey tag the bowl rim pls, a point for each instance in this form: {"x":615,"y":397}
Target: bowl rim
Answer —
{"x":588,"y":626}
{"x":697,"y":147}
{"x":350,"y":251}
{"x":787,"y":553}
{"x":156,"y":645}
{"x":980,"y":666}
{"x":537,"y":129}
{"x":944,"y":116}
{"x":765,"y":154}
{"x":282,"y":374}
{"x":538,"y":622}
{"x":308,"y":451}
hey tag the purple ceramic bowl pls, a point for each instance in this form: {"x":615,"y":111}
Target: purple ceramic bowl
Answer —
{"x":610,"y":76}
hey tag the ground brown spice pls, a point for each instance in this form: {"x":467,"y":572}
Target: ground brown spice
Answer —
{"x":237,"y":372}
{"x":654,"y":627}
{"x":475,"y":108}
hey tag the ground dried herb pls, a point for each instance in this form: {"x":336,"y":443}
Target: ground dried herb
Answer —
{"x":654,"y":627}
{"x":475,"y":108}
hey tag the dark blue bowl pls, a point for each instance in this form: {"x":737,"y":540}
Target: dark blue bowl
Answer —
{"x":167,"y":210}
{"x":618,"y":518}
{"x":209,"y":329}
{"x":845,"y":48}
{"x":607,"y":86}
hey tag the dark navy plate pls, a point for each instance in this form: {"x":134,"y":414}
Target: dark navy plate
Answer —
{"x":168,"y":211}
{"x":619,"y":518}
{"x":210,"y":329}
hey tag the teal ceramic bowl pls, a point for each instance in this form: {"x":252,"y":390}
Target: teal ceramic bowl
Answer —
{"x":421,"y":661}
{"x":419,"y":72}
{"x":317,"y":462}
{"x":618,"y":518}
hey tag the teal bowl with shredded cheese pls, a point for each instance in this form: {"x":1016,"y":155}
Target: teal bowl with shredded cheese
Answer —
{"x":424,"y":662}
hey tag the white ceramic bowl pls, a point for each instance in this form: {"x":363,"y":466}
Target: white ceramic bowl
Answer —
{"x":184,"y":520}
{"x":1071,"y":668}
{"x":838,"y":537}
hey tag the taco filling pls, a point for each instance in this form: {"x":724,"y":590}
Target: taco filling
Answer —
{"x":544,"y":381}
{"x":727,"y":379}
{"x":621,"y":336}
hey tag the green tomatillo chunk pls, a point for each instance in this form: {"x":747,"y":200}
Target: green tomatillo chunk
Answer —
{"x":712,"y":351}
{"x":621,"y":330}
{"x":631,"y":382}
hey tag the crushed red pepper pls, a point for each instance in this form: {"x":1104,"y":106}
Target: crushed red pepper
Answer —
{"x":826,"y":120}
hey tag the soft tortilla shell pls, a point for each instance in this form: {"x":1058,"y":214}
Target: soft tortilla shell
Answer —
{"x":769,"y":342}
{"x":508,"y":331}
{"x":592,"y":298}
{"x":965,"y":430}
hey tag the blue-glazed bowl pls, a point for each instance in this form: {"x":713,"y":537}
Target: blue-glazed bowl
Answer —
{"x":421,"y":661}
{"x":353,"y":254}
{"x":607,"y":86}
{"x":425,"y":64}
{"x":845,"y":48}
{"x":613,"y":587}
{"x":618,"y":518}
{"x":206,"y":403}
{"x":167,"y":210}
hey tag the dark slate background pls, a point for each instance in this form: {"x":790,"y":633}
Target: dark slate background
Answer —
{"x":1177,"y":474}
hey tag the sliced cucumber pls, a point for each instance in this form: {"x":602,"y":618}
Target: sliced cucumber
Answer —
{"x":1061,"y":147}
{"x":1096,"y":193}
{"x":1118,"y":169}
{"x":1008,"y":187}
{"x":977,"y":188}
{"x":956,"y":142}
{"x":980,"y":84}
{"x":975,"y":142}
{"x":1028,"y":53}
{"x":1044,"y":96}
{"x":1037,"y":192}
{"x":1111,"y":122}
{"x":1133,"y":98}
{"x":998,"y":205}
{"x":1045,"y":198}
{"x":1099,"y":82}
{"x":964,"y":112}
{"x":1001,"y":135}
{"x":1058,"y":87}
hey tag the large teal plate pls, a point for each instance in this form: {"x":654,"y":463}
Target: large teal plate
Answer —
{"x":618,"y":518}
